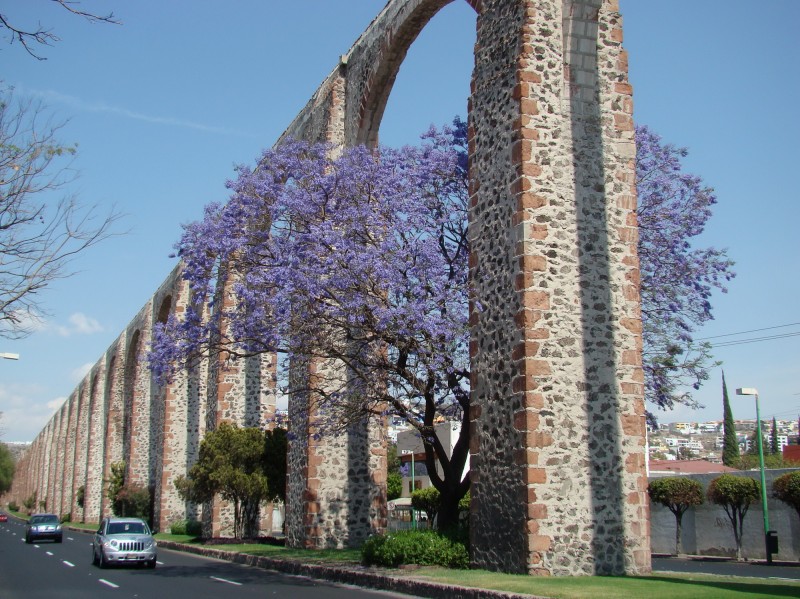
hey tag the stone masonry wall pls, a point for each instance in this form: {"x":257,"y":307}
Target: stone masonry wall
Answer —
{"x":558,"y":414}
{"x":557,"y":418}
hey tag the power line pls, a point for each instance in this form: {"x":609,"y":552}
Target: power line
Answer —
{"x":754,"y":340}
{"x":780,"y":326}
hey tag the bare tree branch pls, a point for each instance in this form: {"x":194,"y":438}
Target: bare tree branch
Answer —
{"x":39,"y":237}
{"x":30,"y":37}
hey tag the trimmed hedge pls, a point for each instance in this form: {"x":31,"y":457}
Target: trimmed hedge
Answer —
{"x":423,"y":547}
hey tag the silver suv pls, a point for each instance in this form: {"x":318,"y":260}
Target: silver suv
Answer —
{"x":123,"y":541}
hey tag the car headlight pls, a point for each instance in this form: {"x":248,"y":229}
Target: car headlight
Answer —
{"x":58,"y":528}
{"x":113,"y":543}
{"x":149,"y":544}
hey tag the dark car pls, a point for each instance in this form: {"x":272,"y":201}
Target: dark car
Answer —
{"x":43,"y":526}
{"x":123,"y":541}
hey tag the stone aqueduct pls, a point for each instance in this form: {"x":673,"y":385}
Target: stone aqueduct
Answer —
{"x":557,"y":423}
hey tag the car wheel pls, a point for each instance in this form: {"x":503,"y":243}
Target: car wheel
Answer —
{"x":59,"y":539}
{"x":151,"y":564}
{"x":103,"y":563}
{"x":94,"y":557}
{"x":27,"y":539}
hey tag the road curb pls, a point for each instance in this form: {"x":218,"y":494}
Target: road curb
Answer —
{"x":358,"y":576}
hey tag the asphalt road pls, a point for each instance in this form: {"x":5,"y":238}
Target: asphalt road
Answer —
{"x":726,"y":568}
{"x":50,"y":570}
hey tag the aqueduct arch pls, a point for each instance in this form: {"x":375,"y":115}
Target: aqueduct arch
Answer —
{"x":557,"y":418}
{"x":558,"y":410}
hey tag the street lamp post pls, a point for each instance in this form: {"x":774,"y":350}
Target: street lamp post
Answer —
{"x":753,"y":391}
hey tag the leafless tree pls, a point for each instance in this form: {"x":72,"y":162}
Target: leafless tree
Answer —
{"x":41,"y":230}
{"x":32,"y":37}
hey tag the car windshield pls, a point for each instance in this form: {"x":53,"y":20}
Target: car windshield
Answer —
{"x":134,"y":528}
{"x":44,"y":520}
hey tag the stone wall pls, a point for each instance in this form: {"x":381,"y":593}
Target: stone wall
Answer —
{"x":557,"y":418}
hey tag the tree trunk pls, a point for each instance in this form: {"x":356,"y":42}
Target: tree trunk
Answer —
{"x":447,"y":518}
{"x":678,"y":528}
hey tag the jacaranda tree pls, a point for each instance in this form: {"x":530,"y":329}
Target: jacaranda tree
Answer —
{"x":358,"y":261}
{"x":358,"y":264}
{"x":677,"y":278}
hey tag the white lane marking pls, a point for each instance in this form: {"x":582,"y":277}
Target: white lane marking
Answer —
{"x":70,"y":539}
{"x":49,"y":552}
{"x":106,"y":582}
{"x":159,"y":563}
{"x":70,"y":564}
{"x":238,"y":584}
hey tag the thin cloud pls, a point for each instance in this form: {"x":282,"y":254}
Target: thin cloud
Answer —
{"x":78,"y":104}
{"x":79,"y":324}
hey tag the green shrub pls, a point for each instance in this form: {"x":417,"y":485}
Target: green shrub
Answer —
{"x":427,"y":500}
{"x":186,"y":527}
{"x":66,"y":517}
{"x":178,"y":528}
{"x":194,"y":528}
{"x":13,"y":506}
{"x":132,"y":501}
{"x":423,"y":547}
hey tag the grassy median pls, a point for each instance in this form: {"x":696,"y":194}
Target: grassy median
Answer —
{"x":657,"y":586}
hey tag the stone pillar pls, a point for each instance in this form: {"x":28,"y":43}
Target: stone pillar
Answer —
{"x":95,"y":446}
{"x":81,"y":447}
{"x":70,"y":438}
{"x":557,"y":422}
{"x":240,"y":391}
{"x":113,"y":398}
{"x":138,"y":410}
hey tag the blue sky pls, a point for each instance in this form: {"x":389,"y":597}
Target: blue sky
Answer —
{"x":165,"y":104}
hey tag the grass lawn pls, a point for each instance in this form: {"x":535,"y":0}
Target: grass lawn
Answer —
{"x":658,"y":586}
{"x":326,"y":556}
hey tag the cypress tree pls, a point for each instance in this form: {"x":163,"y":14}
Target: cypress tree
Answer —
{"x":774,"y":437}
{"x":730,"y":447}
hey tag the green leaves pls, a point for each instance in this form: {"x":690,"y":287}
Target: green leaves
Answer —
{"x":729,"y":489}
{"x":237,"y":464}
{"x":678,"y":493}
{"x":787,"y":488}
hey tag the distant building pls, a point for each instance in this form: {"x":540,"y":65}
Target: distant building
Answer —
{"x":409,"y":442}
{"x":660,"y":468}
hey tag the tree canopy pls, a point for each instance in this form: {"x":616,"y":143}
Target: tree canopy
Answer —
{"x":730,"y":447}
{"x":7,"y":467}
{"x":678,"y":494}
{"x":232,"y":463}
{"x":787,"y":488}
{"x":359,"y":259}
{"x":356,"y":259}
{"x":735,"y":494}
{"x":677,"y":279}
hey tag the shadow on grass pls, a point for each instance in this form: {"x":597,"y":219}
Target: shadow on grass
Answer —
{"x":757,"y":589}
